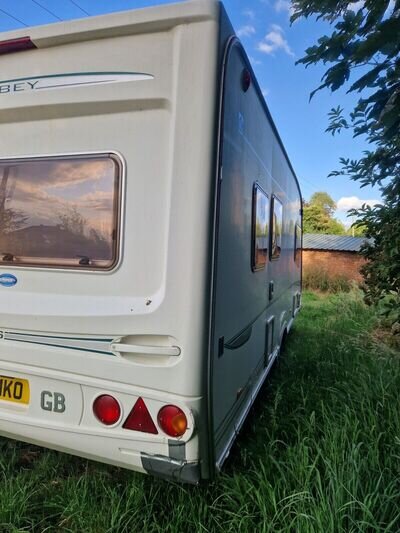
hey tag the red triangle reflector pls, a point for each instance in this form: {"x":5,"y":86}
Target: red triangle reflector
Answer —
{"x":139,"y":419}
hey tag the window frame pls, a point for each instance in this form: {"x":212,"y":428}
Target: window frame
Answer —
{"x":257,"y":267}
{"x":274,"y":197}
{"x":119,"y":206}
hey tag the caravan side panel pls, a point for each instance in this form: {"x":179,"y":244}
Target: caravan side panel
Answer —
{"x":256,"y":276}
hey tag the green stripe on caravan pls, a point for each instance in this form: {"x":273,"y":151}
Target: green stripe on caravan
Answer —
{"x":69,"y":80}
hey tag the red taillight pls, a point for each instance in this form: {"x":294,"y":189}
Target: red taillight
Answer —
{"x":107,"y":409}
{"x":139,"y":419}
{"x":16,"y":45}
{"x":172,"y":421}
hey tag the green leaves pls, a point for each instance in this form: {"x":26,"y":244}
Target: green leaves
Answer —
{"x":337,"y":75}
{"x":370,"y":79}
{"x":376,"y":11}
{"x":368,"y":41}
{"x":337,"y":120}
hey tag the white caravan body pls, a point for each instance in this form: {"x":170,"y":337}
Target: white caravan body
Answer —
{"x":150,"y":235}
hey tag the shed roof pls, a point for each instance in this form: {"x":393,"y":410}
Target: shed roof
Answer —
{"x":340,"y":243}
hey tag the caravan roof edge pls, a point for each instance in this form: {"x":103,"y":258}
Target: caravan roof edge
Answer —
{"x":143,"y":20}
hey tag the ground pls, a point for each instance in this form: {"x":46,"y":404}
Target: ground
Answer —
{"x":320,"y":451}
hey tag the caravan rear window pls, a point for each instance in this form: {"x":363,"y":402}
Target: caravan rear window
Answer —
{"x":60,"y":212}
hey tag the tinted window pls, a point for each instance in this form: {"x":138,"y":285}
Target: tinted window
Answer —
{"x":276,"y":231}
{"x":60,"y":212}
{"x":260,"y":228}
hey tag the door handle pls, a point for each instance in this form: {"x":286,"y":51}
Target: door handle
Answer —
{"x":271,"y":290}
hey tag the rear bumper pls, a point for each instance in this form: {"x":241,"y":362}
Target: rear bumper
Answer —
{"x":157,"y":465}
{"x":76,"y":430}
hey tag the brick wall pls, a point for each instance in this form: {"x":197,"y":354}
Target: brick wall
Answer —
{"x":345,"y":264}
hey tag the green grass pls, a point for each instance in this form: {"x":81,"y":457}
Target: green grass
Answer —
{"x":319,"y":453}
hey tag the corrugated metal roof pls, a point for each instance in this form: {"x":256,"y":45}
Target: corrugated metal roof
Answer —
{"x":342,"y":243}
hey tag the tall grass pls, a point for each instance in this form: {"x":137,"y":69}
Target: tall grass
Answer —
{"x":320,"y":452}
{"x":318,"y":279}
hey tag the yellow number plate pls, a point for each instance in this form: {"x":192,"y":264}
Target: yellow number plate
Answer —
{"x":14,"y":390}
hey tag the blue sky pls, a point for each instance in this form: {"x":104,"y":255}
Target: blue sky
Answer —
{"x":273,"y":47}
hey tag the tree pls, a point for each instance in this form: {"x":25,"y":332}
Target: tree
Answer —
{"x":318,"y":215}
{"x":10,"y":219}
{"x":323,"y":200}
{"x":363,"y":50}
{"x":357,"y":230}
{"x":72,"y":221}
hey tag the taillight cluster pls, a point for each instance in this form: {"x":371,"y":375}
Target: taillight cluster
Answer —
{"x":171,"y":419}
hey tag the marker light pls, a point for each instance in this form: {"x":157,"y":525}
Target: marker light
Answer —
{"x":16,"y":45}
{"x":246,"y":79}
{"x":107,"y":409}
{"x":139,"y":419}
{"x":172,"y":420}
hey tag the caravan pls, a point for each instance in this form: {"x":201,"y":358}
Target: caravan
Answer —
{"x":150,"y":238}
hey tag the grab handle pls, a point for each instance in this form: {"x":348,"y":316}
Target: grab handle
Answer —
{"x":146,"y":350}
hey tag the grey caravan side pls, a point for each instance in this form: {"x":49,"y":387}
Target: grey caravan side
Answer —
{"x":256,"y":280}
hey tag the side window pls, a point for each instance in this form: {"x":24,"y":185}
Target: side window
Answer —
{"x":276,"y":224}
{"x":297,"y":244}
{"x":259,"y":228}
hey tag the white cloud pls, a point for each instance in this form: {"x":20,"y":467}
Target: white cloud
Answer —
{"x":265,"y":92}
{"x":353,"y":202}
{"x":249,"y":13}
{"x":254,"y":61}
{"x":283,"y":6}
{"x":356,"y":5}
{"x":246,"y":31}
{"x":274,"y":41}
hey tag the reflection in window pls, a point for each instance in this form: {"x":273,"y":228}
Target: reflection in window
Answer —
{"x":260,"y":228}
{"x":297,"y":244}
{"x":276,"y":233}
{"x":60,"y":212}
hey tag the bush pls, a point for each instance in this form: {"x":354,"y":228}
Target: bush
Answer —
{"x":318,"y":279}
